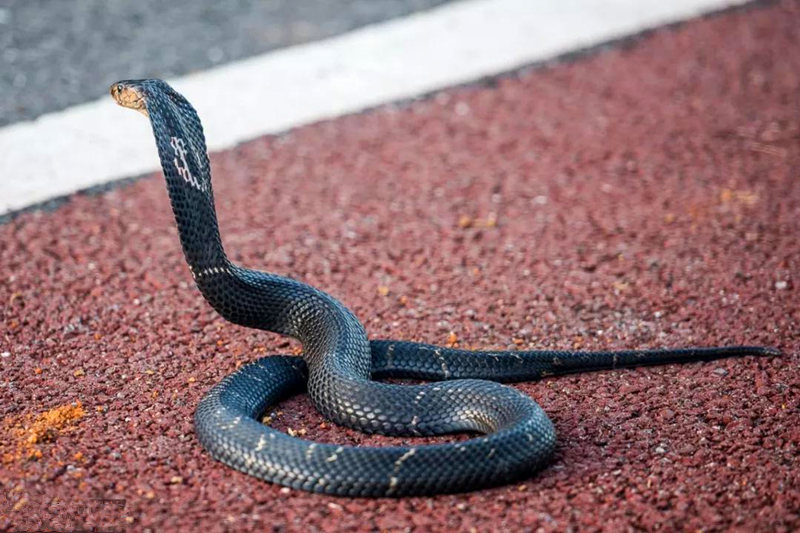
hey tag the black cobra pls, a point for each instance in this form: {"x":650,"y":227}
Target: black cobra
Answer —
{"x":339,"y":363}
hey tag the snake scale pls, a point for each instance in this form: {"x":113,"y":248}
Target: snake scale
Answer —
{"x":339,"y":364}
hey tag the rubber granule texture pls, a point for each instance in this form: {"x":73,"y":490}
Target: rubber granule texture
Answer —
{"x":642,"y":196}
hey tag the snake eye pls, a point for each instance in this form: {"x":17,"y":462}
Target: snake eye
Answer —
{"x":119,"y":87}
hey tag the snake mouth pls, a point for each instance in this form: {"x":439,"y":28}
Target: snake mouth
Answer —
{"x":128,"y":95}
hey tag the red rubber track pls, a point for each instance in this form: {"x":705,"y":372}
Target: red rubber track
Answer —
{"x":641,"y":196}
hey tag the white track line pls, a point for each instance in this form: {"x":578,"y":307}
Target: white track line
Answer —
{"x":97,"y":142}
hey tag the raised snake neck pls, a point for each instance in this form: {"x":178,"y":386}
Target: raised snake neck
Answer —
{"x":339,"y":362}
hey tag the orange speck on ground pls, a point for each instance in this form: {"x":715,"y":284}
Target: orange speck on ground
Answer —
{"x":29,"y":431}
{"x":20,"y":504}
{"x":744,"y":197}
{"x":452,"y":339}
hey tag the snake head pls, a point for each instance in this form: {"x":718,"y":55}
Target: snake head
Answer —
{"x":129,"y":93}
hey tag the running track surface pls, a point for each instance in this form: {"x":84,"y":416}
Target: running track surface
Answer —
{"x":641,"y":196}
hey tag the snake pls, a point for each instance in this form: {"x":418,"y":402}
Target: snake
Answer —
{"x":510,"y":436}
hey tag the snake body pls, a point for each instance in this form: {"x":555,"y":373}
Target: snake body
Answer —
{"x":339,"y":363}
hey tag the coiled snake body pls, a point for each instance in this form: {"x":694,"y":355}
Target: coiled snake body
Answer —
{"x":339,"y":363}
